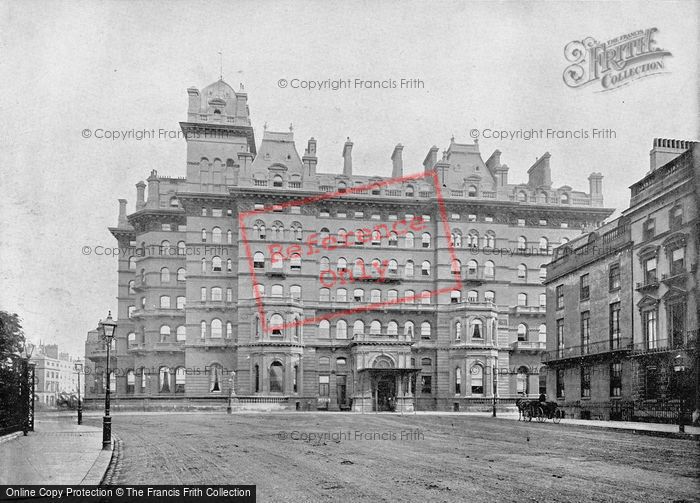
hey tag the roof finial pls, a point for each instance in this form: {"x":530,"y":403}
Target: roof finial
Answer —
{"x":291,"y":127}
{"x":265,"y":127}
{"x":221,"y":66}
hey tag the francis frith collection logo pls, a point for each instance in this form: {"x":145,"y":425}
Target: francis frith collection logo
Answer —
{"x":614,"y":63}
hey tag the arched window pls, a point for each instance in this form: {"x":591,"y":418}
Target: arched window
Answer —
{"x":276,"y":261}
{"x":425,"y":296}
{"x":490,"y":239}
{"x":216,"y":235}
{"x":393,"y":267}
{"x":522,"y":299}
{"x":543,"y":300}
{"x":456,"y":266}
{"x":455,"y":296}
{"x":181,"y":274}
{"x":163,"y":380}
{"x":229,"y":265}
{"x":216,"y":264}
{"x":203,"y":329}
{"x":471,"y":191}
{"x":277,"y":181}
{"x":165,"y":302}
{"x":522,"y":243}
{"x":456,"y":239}
{"x":216,"y":293}
{"x":425,"y":268}
{"x":215,"y":383}
{"x":564,"y":198}
{"x":229,"y":237}
{"x":324,"y":264}
{"x":409,"y":240}
{"x":477,"y":376}
{"x":276,"y":325}
{"x":392,"y":328}
{"x":204,"y":235}
{"x":458,"y":330}
{"x":216,"y":328}
{"x":229,"y":329}
{"x":297,"y":231}
{"x":358,"y":328}
{"x":375,"y":296}
{"x":489,"y":269}
{"x":165,"y":247}
{"x":295,"y":292}
{"x":375,"y":328}
{"x":543,"y":333}
{"x":521,"y":380}
{"x":261,"y":231}
{"x":342,"y":265}
{"x":425,"y":330}
{"x":276,"y":378}
{"x":341,"y":295}
{"x":392,"y":295}
{"x":472,"y":267}
{"x":130,"y":381}
{"x":543,"y":273}
{"x":425,"y":240}
{"x":181,"y":333}
{"x":131,"y":338}
{"x":522,"y":271}
{"x":408,"y":269}
{"x":393,"y":239}
{"x":376,"y":238}
{"x":324,"y":295}
{"x":132,"y":263}
{"x":131,"y":286}
{"x":522,"y":332}
{"x":458,"y":381}
{"x":409,"y":191}
{"x":489,"y":296}
{"x":472,"y":296}
{"x":358,"y":295}
{"x":324,"y":328}
{"x":180,"y":379}
{"x":477,"y":329}
{"x":180,"y":302}
{"x":522,"y":196}
{"x":295,"y":262}
{"x":181,"y":248}
{"x":342,"y":236}
{"x":409,"y":329}
{"x":342,"y":187}
{"x":259,"y":290}
{"x":341,"y":329}
{"x":358,"y":268}
{"x":410,"y":296}
{"x":544,"y":245}
{"x":204,"y":265}
{"x":473,"y":239}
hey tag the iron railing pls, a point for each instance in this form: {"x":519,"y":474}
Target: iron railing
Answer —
{"x":592,"y":348}
{"x":16,"y":394}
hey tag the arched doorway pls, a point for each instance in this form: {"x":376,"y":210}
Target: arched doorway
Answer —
{"x":385,"y":393}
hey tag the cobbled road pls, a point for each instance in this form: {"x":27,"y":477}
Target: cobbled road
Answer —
{"x":300,"y":457}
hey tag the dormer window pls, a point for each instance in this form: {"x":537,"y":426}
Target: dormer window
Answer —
{"x":217,"y":112}
{"x":277,"y":181}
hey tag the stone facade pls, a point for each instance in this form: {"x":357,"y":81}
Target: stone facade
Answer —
{"x":632,"y":337}
{"x":188,"y":315}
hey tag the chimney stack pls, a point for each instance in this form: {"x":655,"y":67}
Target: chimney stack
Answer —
{"x":122,"y":222}
{"x":153,"y":190}
{"x":347,"y":158}
{"x":397,"y":159}
{"x":665,"y":150}
{"x":431,"y":158}
{"x":140,"y":195}
{"x":310,"y":160}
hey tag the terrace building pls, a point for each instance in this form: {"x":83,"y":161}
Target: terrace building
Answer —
{"x":197,"y":299}
{"x":622,"y":312}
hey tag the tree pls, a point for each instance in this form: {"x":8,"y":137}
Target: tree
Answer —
{"x":12,"y":339}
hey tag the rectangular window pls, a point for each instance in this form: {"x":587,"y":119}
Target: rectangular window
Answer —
{"x":649,"y":327}
{"x":543,"y":222}
{"x":324,"y":213}
{"x":560,"y":296}
{"x":521,"y":222}
{"x":585,"y":331}
{"x":426,"y":384}
{"x":341,"y":214}
{"x":560,"y":337}
{"x":614,"y":277}
{"x":649,"y":229}
{"x":560,"y":383}
{"x":323,"y":386}
{"x":165,"y":227}
{"x":488,"y":218}
{"x":615,"y":325}
{"x":585,"y":287}
{"x":359,"y":214}
{"x":203,"y":294}
{"x":676,"y":218}
{"x":677,"y":261}
{"x":586,"y":381}
{"x":229,"y":295}
{"x":651,"y":384}
{"x":676,"y":323}
{"x":616,"y":379}
{"x":217,"y":212}
{"x":650,"y":271}
{"x":455,"y":216}
{"x":295,"y":210}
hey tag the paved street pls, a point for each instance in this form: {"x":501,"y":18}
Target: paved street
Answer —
{"x":440,"y":458}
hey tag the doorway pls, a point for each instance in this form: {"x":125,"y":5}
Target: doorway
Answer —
{"x":386,"y":394}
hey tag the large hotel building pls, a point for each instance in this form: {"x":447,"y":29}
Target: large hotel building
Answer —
{"x":189,"y":318}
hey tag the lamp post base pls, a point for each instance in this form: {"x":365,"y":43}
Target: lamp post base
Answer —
{"x":106,"y":433}
{"x":80,"y":416}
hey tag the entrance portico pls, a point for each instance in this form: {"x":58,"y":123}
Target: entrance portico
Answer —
{"x":385,"y":390}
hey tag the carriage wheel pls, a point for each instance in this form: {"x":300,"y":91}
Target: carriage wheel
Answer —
{"x":557,"y":416}
{"x":540,"y":415}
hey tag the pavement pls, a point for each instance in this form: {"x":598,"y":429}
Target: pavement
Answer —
{"x":58,"y":451}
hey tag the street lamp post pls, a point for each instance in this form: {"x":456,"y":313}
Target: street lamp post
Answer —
{"x":231,"y":392}
{"x":79,"y":370}
{"x":679,"y":369}
{"x":27,"y":375}
{"x":107,"y":329}
{"x":495,"y":387}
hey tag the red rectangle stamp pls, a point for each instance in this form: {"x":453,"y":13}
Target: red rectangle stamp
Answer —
{"x":275,"y":256}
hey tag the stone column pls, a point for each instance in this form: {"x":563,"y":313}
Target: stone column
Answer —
{"x":333,"y":392}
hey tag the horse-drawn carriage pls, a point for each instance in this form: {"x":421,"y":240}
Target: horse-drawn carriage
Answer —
{"x":541,"y":411}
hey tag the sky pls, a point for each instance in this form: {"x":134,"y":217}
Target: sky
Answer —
{"x":115,"y":65}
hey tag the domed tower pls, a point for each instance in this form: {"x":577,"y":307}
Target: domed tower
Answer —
{"x":219,"y":136}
